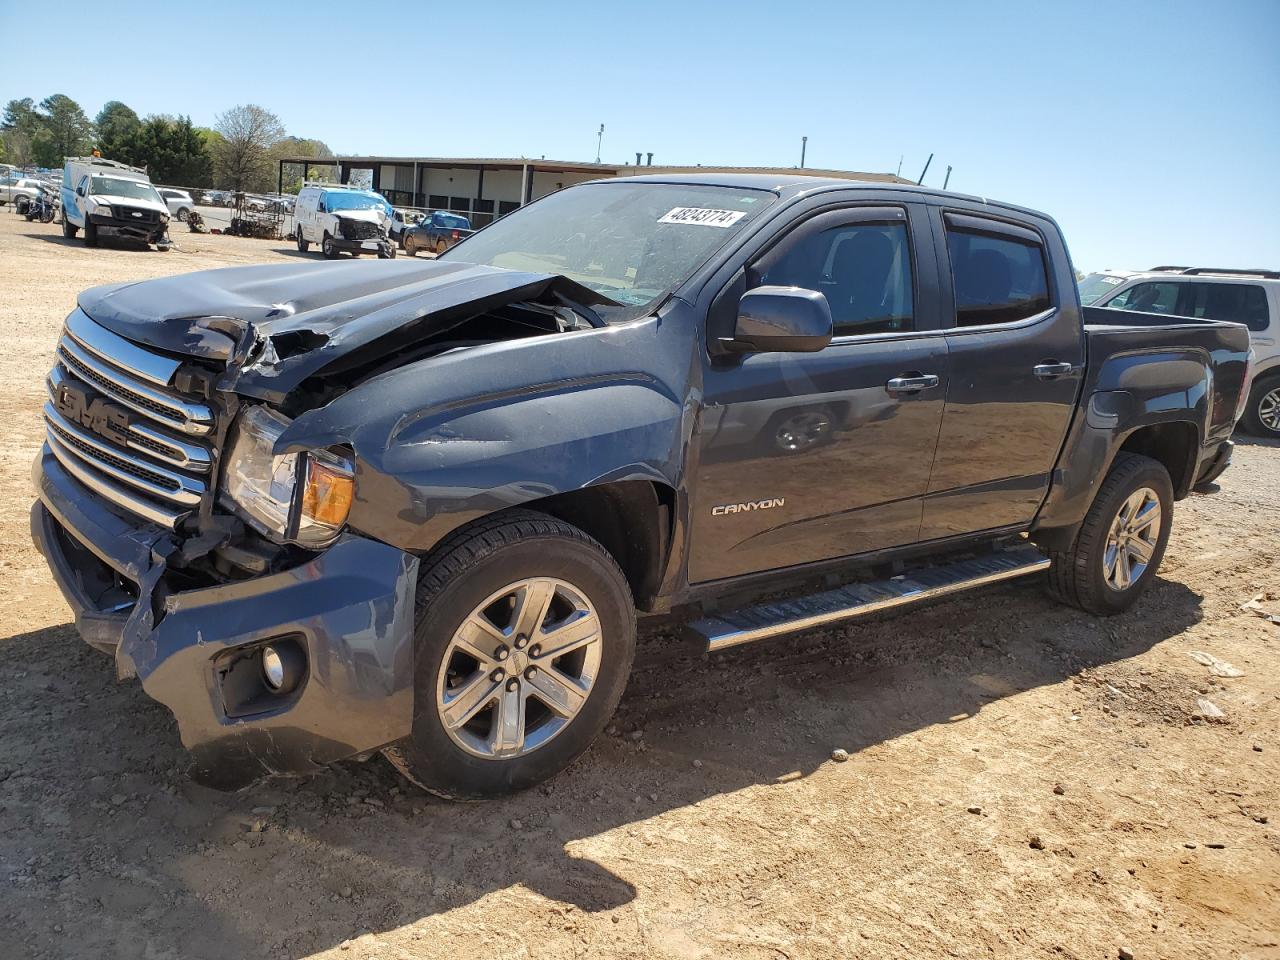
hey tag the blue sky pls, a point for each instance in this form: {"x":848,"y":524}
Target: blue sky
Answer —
{"x":1150,"y":130}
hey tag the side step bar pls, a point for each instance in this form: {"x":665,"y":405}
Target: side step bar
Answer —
{"x":858,"y":599}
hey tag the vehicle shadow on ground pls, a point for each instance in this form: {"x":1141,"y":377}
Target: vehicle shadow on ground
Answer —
{"x":106,"y":243}
{"x":104,"y":839}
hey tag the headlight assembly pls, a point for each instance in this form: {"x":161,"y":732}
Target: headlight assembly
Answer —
{"x":103,"y":210}
{"x":303,"y":498}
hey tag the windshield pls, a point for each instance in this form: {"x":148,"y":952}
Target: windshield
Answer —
{"x":1097,"y":285}
{"x":352,"y":200}
{"x":115,"y":187}
{"x":631,"y":242}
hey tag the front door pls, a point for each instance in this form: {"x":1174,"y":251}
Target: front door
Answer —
{"x":1017,"y":361}
{"x":809,"y":457}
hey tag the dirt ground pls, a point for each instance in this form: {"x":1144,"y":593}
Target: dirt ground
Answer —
{"x":1023,"y":780}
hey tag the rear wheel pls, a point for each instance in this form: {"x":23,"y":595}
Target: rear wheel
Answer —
{"x":441,"y":246}
{"x":69,"y":230}
{"x":525,"y":631}
{"x":1262,"y":415}
{"x":1121,"y":542}
{"x":303,"y":245}
{"x":183,"y":213}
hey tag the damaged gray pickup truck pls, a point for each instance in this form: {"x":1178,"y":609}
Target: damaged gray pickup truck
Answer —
{"x":326,"y":510}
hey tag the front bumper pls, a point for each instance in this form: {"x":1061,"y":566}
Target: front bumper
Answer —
{"x":350,"y":607}
{"x":374,"y":245}
{"x":117,"y":226}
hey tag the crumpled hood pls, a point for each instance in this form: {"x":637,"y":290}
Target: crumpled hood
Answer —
{"x":130,"y":202}
{"x":369,"y":216}
{"x":276,"y":325}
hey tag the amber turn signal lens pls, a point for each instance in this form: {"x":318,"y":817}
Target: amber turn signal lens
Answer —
{"x":328,"y":494}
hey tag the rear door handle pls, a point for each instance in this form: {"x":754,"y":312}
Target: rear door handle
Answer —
{"x":1053,"y":370}
{"x":912,"y":384}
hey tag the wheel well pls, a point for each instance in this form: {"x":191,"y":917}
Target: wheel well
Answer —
{"x":631,"y":519}
{"x":1173,"y":444}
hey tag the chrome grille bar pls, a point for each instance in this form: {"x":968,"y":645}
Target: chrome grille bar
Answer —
{"x":169,"y":410}
{"x":168,"y":449}
{"x":177,"y":488}
{"x":119,"y":352}
{"x":111,"y":492}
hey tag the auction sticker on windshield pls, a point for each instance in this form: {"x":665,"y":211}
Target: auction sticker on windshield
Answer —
{"x":703,"y":216}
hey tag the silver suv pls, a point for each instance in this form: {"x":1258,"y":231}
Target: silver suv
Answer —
{"x":1251,"y":297}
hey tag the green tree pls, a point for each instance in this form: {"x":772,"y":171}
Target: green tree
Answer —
{"x":70,"y":131}
{"x":20,"y":116}
{"x":243,"y":159}
{"x":118,"y":132}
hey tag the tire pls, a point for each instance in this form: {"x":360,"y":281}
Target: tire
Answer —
{"x":458,"y":584}
{"x":1262,"y":415}
{"x":69,"y":230}
{"x":1080,"y":576}
{"x":328,"y":248}
{"x":90,"y":233}
{"x":441,"y":246}
{"x":303,"y":244}
{"x":410,"y":247}
{"x":183,"y":213}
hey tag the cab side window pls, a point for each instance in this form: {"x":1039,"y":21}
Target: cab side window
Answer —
{"x":998,"y":277}
{"x":863,"y":269}
{"x":1148,"y":298}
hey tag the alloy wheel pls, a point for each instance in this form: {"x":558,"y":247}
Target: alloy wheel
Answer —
{"x":519,"y":669}
{"x":1132,"y":539}
{"x":1269,"y":409}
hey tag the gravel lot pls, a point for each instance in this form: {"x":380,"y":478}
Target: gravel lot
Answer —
{"x":1022,"y":781}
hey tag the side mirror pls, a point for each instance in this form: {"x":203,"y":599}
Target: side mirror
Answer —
{"x":782,"y":320}
{"x":79,"y":191}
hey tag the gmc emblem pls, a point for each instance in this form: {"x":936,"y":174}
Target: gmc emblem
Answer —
{"x":84,"y":407}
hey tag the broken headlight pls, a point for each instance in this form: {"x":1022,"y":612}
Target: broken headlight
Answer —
{"x":299,"y":497}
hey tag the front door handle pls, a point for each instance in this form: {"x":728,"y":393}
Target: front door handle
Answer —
{"x":913,"y":384}
{"x":1053,"y":370}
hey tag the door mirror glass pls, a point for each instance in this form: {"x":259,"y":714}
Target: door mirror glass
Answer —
{"x":80,"y":190}
{"x":782,"y":320}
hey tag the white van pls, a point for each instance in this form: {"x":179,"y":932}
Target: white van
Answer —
{"x":105,"y":198}
{"x":342,"y":219}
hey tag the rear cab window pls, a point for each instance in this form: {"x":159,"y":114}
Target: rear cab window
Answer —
{"x":998,"y":271}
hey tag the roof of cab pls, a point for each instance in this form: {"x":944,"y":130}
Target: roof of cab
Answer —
{"x":798,"y":183}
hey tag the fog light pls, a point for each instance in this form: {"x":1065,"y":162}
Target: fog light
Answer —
{"x":273,"y":667}
{"x":283,"y":665}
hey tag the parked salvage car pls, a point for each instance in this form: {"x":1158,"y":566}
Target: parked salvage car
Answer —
{"x":342,"y":220}
{"x":1250,"y":297}
{"x":179,"y":202}
{"x":16,"y":189}
{"x":415,"y":507}
{"x":437,"y":231}
{"x":401,"y":220}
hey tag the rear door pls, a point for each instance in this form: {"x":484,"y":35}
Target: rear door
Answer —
{"x":1016,"y":350}
{"x":805,"y":457}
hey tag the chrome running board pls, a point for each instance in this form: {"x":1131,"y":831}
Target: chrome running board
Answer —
{"x":859,"y":599}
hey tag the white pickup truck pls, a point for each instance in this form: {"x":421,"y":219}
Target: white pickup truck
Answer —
{"x":106,"y":198}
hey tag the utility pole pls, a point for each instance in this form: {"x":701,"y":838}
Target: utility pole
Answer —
{"x":925,"y":170}
{"x":599,"y":141}
{"x":899,"y":165}
{"x":947,"y":179}
{"x":804,"y":144}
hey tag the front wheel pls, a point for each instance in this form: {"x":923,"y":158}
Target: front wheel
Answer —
{"x":90,"y":233}
{"x":410,"y":247}
{"x":329,"y":248}
{"x":1121,"y":542}
{"x":1262,"y":416}
{"x":524,"y":636}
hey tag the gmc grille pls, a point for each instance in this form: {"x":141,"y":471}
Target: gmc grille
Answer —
{"x":115,"y":424}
